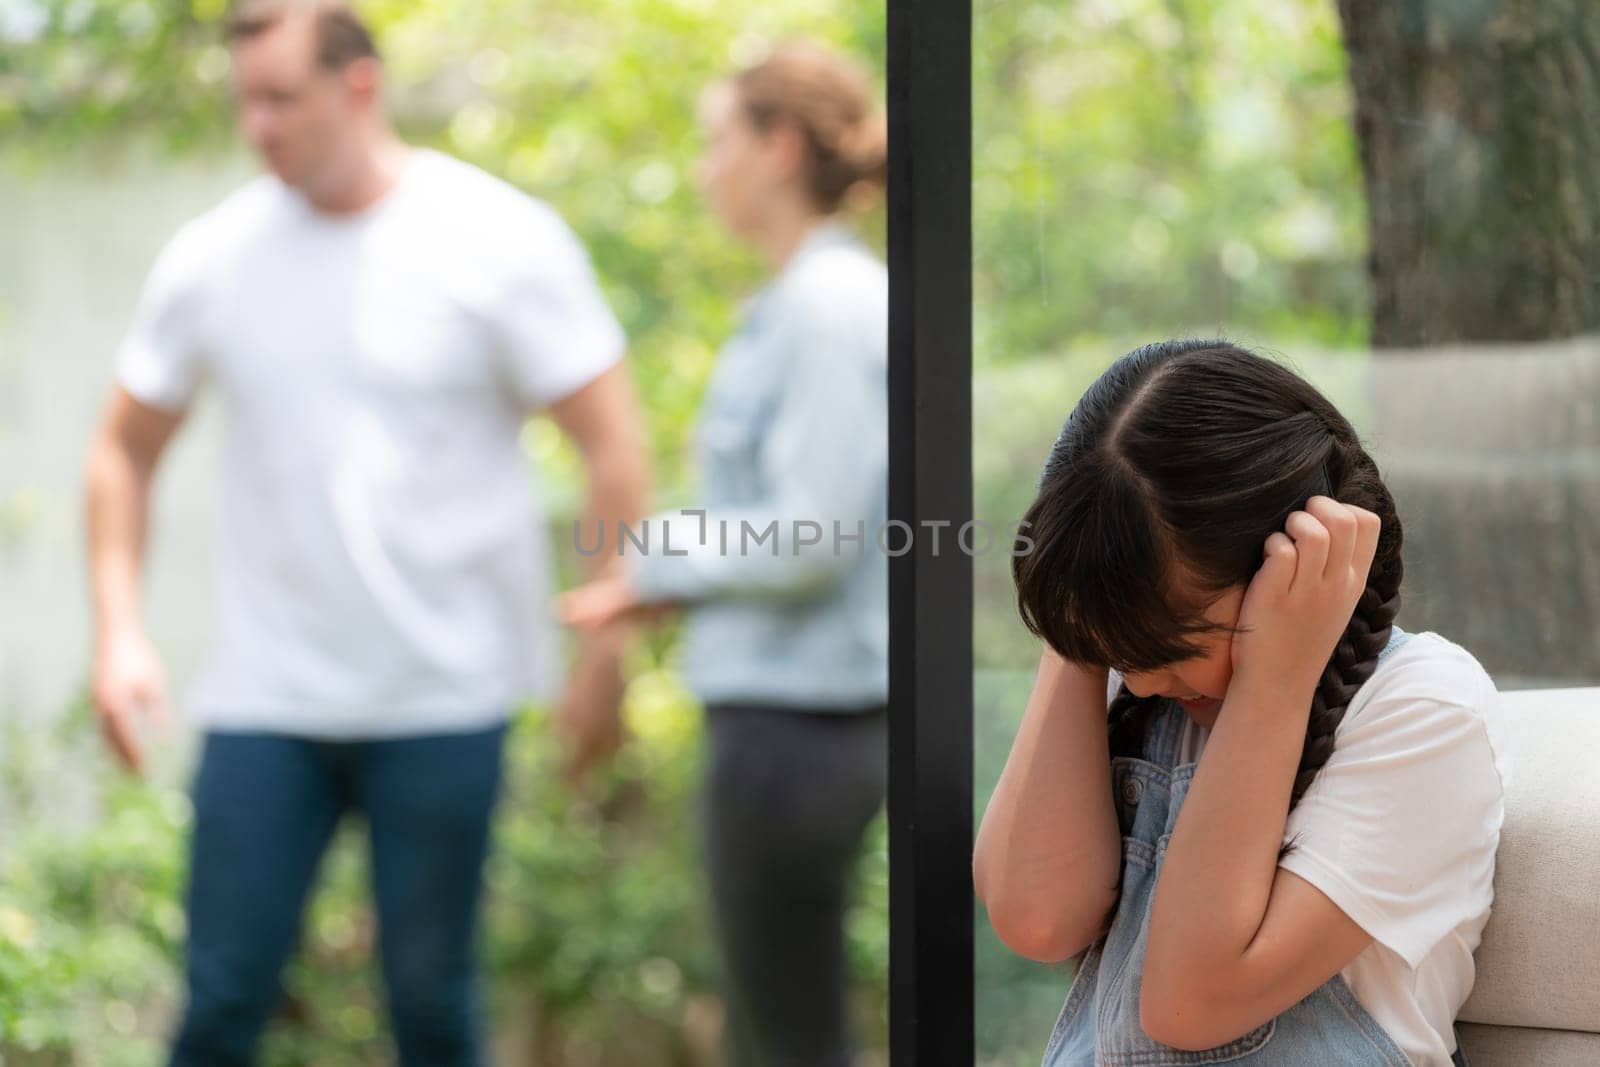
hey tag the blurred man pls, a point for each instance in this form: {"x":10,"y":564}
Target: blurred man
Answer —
{"x":378,"y":320}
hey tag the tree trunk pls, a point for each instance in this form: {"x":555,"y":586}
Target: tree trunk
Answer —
{"x":1479,"y":127}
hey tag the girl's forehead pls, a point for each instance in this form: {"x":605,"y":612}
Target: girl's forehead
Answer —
{"x":1187,"y":596}
{"x":1224,"y":606}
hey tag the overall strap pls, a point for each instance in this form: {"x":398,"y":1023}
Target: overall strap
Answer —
{"x":1164,"y":736}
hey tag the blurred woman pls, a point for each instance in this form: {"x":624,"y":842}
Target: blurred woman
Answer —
{"x":779,"y":569}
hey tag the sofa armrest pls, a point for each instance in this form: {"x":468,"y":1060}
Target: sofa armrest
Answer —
{"x":1539,"y":962}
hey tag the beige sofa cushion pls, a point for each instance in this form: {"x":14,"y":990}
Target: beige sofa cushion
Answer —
{"x":1521,"y":1046}
{"x":1539,"y":963}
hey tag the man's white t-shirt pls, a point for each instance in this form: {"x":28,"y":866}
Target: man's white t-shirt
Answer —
{"x":1399,"y":829}
{"x":383,"y":568}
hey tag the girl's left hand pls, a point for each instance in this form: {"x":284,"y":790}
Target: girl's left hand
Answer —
{"x":1298,"y":604}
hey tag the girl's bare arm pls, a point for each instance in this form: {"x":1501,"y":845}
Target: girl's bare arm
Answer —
{"x":1049,"y":854}
{"x":1234,"y":939}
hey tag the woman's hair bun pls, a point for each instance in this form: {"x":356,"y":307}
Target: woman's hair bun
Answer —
{"x":829,"y":99}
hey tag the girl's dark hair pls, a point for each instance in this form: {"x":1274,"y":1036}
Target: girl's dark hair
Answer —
{"x":1167,"y":479}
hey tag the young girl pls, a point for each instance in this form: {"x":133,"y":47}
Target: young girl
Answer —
{"x":1264,"y":815}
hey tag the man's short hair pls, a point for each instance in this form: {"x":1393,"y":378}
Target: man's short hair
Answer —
{"x":341,"y":36}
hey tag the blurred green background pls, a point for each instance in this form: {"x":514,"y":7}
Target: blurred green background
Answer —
{"x":1142,"y":168}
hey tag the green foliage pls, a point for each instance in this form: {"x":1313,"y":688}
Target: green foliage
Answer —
{"x":89,"y":924}
{"x":595,"y":933}
{"x":1159,"y":167}
{"x":77,"y":72}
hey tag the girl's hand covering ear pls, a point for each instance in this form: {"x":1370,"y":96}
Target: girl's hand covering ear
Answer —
{"x":1297,"y":606}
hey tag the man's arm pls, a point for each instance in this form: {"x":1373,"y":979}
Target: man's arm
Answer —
{"x":127,"y":678}
{"x":603,"y":420}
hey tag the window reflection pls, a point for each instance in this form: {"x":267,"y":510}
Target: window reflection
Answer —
{"x":1398,"y":201}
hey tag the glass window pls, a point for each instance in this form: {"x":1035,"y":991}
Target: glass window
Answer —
{"x":1398,"y":200}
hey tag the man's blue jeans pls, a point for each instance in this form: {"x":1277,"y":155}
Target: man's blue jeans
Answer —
{"x":265,"y":808}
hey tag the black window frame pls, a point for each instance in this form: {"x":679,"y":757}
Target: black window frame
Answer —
{"x":929,"y":76}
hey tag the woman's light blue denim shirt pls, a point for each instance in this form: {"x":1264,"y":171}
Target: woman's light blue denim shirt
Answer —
{"x":780,"y":565}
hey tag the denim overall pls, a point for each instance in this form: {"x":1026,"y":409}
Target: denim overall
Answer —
{"x":1099,"y":1024}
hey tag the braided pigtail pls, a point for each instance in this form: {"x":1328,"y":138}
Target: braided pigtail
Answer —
{"x":1354,"y":479}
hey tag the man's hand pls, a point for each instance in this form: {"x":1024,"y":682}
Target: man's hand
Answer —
{"x":127,"y":683}
{"x":1300,"y":601}
{"x":590,"y":712}
{"x":589,"y":715}
{"x":129,"y":690}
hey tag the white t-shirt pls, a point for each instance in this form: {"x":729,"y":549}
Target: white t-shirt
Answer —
{"x":1399,"y":829}
{"x":382,"y":564}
